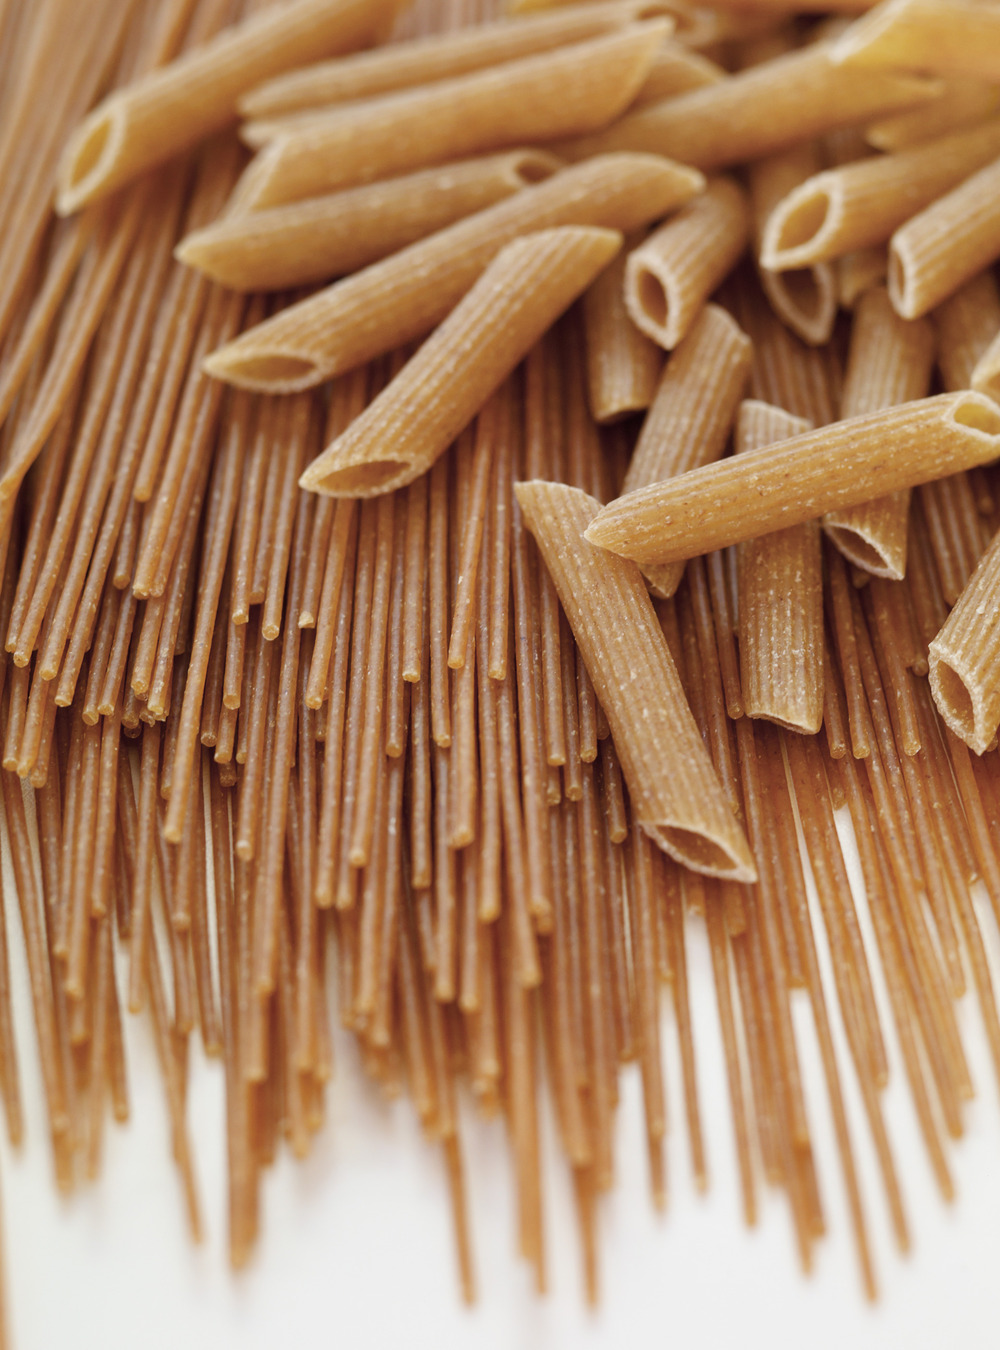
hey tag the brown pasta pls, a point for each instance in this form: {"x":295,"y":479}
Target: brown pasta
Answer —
{"x":694,"y":514}
{"x":693,"y":824}
{"x":950,"y":36}
{"x":623,"y":365}
{"x":963,"y":660}
{"x":560,"y":93}
{"x":890,"y":362}
{"x":168,"y":110}
{"x":333,"y":236}
{"x":670,"y":276}
{"x":520,"y":294}
{"x":404,"y":296}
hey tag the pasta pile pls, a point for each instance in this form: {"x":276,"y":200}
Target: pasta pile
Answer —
{"x":386,"y":620}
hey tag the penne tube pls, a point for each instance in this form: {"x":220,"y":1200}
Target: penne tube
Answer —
{"x":962,"y":103}
{"x":986,"y":376}
{"x":676,"y":795}
{"x":441,"y":389}
{"x":946,"y":244}
{"x":805,"y":298}
{"x":691,"y":416}
{"x":442,"y":56}
{"x":890,"y":362}
{"x":623,"y":365}
{"x":332,"y":236}
{"x":780,"y":599}
{"x":948,"y":37}
{"x":820,"y":471}
{"x":677,"y":70}
{"x":561,"y":93}
{"x":859,"y":205}
{"x":172,"y":108}
{"x":965,"y":654}
{"x":406,"y":295}
{"x":768,"y":107}
{"x":670,"y":276}
{"x":966,"y":324}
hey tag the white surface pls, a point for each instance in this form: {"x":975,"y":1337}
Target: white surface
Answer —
{"x":357,"y":1248}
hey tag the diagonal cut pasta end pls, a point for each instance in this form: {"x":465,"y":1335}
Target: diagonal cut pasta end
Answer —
{"x":85,"y":170}
{"x":251,"y":367}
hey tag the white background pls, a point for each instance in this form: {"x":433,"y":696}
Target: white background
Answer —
{"x":357,"y":1248}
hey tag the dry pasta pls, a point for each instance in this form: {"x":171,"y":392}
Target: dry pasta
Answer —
{"x":623,"y":365}
{"x":572,"y":89}
{"x":859,"y":205}
{"x":168,"y":110}
{"x":678,"y":799}
{"x":890,"y":362}
{"x":946,"y":244}
{"x":793,"y":98}
{"x":669,"y":277}
{"x":961,"y":103}
{"x":331,"y":236}
{"x":440,"y":56}
{"x":404,"y":296}
{"x":963,"y":659}
{"x":950,"y":36}
{"x":809,"y":475}
{"x":526,"y":287}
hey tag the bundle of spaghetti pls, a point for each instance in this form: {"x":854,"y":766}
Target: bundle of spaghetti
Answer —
{"x":434,"y":737}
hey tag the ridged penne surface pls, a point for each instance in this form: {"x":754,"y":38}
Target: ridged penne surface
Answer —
{"x":441,"y":56}
{"x":170,"y":109}
{"x":560,"y":93}
{"x":780,"y":599}
{"x":437,"y":393}
{"x":623,"y":365}
{"x":965,"y":655}
{"x":692,"y":414}
{"x":946,"y":244}
{"x":820,"y":471}
{"x":670,"y":276}
{"x":675,"y":792}
{"x":947,"y":36}
{"x":857,"y":205}
{"x":890,"y":362}
{"x":768,"y":107}
{"x":404,"y":296}
{"x":325,"y":237}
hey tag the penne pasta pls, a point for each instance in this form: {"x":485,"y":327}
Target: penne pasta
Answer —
{"x":561,"y":93}
{"x":966,"y":324}
{"x":950,"y":37}
{"x":438,"y":393}
{"x":768,"y":107}
{"x":676,"y":70}
{"x":964,"y":655}
{"x":986,"y":376}
{"x":890,"y":362}
{"x":692,"y":414}
{"x":172,"y":108}
{"x":946,"y":244}
{"x":331,"y":236}
{"x":780,"y":599}
{"x":404,"y":296}
{"x":858,"y":205}
{"x":960,"y":104}
{"x":675,"y":793}
{"x":858,"y":272}
{"x":442,"y":56}
{"x":804,"y":297}
{"x":670,"y":276}
{"x":820,"y":471}
{"x":623,"y":365}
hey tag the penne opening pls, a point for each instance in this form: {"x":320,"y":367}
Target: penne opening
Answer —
{"x":956,"y":704}
{"x":978,"y":413}
{"x":534,"y":166}
{"x":355,"y":480}
{"x":700,"y":853}
{"x":88,"y":160}
{"x":653,"y":298}
{"x":900,"y":289}
{"x":806,"y":299}
{"x":861,"y":552}
{"x":269,"y":372}
{"x":800,"y":222}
